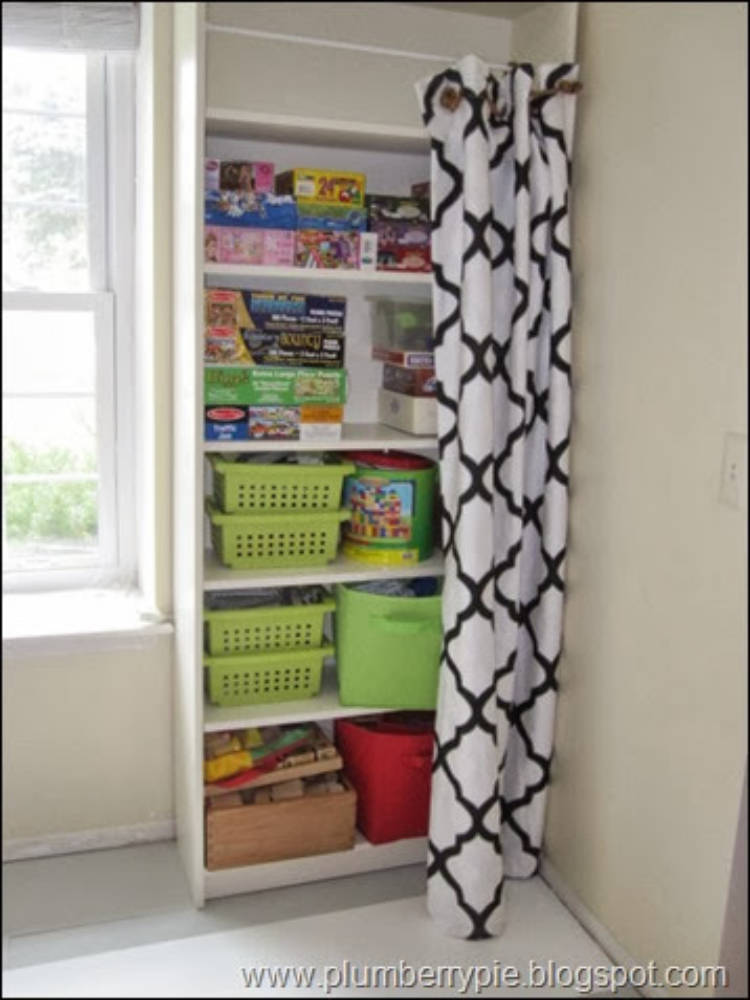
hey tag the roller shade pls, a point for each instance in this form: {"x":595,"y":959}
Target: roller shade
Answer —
{"x":98,"y":27}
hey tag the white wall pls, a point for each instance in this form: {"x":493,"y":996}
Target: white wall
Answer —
{"x":652,"y":721}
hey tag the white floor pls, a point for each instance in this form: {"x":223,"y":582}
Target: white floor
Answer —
{"x":120,"y":924}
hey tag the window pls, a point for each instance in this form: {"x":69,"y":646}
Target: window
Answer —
{"x":68,"y":210}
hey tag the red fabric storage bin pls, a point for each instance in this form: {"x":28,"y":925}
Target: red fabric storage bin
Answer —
{"x":389,"y":762}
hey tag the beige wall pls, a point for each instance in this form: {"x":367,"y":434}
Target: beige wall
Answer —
{"x":652,"y":718}
{"x":87,"y":741}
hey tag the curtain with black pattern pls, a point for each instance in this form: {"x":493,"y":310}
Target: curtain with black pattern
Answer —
{"x":500,"y":168}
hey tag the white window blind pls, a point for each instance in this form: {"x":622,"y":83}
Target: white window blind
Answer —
{"x":100,"y":27}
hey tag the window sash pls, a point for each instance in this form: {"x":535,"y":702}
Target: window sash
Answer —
{"x":106,"y":564}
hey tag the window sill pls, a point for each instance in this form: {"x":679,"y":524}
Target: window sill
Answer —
{"x":77,"y":621}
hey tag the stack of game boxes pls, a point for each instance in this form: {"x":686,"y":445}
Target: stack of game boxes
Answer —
{"x":274,"y":365}
{"x":402,"y":228}
{"x":330,"y":215}
{"x":246,"y":222}
{"x":402,"y":339}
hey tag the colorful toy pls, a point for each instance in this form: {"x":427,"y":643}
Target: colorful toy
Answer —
{"x":327,"y":249}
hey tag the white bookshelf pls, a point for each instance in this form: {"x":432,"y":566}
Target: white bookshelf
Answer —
{"x":287,"y":141}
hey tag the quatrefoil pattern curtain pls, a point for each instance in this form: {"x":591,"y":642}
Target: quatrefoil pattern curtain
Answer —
{"x":500,"y":167}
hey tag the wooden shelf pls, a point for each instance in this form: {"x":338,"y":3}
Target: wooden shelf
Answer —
{"x":363,"y":857}
{"x":374,"y":283}
{"x":233,"y":123}
{"x":341,"y":570}
{"x":354,"y":436}
{"x":325,"y":705}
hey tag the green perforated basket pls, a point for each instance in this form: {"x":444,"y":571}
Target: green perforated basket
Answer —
{"x":262,"y":678}
{"x":255,"y":630}
{"x":275,"y":541}
{"x":250,"y":487}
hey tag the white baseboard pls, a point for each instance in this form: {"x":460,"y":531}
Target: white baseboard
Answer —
{"x":595,"y":928}
{"x":23,"y":848}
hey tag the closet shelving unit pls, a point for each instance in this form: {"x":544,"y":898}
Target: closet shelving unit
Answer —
{"x":287,"y":142}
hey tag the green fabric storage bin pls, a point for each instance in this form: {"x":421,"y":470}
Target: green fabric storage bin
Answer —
{"x":387,"y":649}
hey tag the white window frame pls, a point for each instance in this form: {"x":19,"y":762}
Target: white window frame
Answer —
{"x":110,"y":118}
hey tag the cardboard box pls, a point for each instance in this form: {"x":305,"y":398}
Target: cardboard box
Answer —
{"x":413,"y":414}
{"x":390,"y":208}
{"x":261,"y":386}
{"x":326,"y":249}
{"x":392,"y":257}
{"x":332,"y":186}
{"x":239,"y":175}
{"x":406,"y":359}
{"x":307,"y":348}
{"x":248,"y":209}
{"x":333,"y":217}
{"x":411,"y":381}
{"x":402,"y":234}
{"x":233,"y":245}
{"x":273,"y":311}
{"x":273,"y":831}
{"x":273,"y":423}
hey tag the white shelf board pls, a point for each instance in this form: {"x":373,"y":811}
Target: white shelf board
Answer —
{"x":353,"y":437}
{"x":363,"y":857}
{"x":325,"y":705}
{"x":374,"y":283}
{"x":234,"y":123}
{"x":341,"y":570}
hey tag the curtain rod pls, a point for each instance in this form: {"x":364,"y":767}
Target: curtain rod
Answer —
{"x":275,"y":36}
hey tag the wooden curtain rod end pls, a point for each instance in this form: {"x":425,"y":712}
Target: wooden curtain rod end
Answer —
{"x":450,"y":98}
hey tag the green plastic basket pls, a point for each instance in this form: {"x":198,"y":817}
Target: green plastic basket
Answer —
{"x":262,"y":678}
{"x":274,"y":541}
{"x":244,"y":487}
{"x":255,"y":630}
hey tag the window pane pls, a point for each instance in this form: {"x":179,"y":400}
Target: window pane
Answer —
{"x":50,"y":487}
{"x":49,"y":435}
{"x":45,"y":249}
{"x":44,"y":159}
{"x":45,"y":224}
{"x":48,"y":352}
{"x":44,"y":81}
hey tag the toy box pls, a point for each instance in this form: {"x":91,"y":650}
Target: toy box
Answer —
{"x":249,"y":209}
{"x":332,"y":186}
{"x":396,"y":257}
{"x":261,"y":386}
{"x":309,"y":422}
{"x":411,"y":381}
{"x":326,"y":215}
{"x":303,"y":349}
{"x":326,"y":249}
{"x":402,"y":234}
{"x":267,"y":311}
{"x":404,"y":359}
{"x":238,"y":175}
{"x":413,"y":414}
{"x":271,"y":247}
{"x":389,"y":208}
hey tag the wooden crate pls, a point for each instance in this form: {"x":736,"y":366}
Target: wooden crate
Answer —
{"x":274,"y":831}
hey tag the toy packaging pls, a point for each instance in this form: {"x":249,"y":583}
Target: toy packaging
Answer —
{"x":310,"y":422}
{"x":331,"y":186}
{"x":249,"y":209}
{"x":396,"y":257}
{"x":325,"y":215}
{"x":411,"y":381}
{"x":233,"y":245}
{"x":267,"y":311}
{"x":389,"y":208}
{"x":368,"y":251}
{"x":262,"y":386}
{"x":239,"y":175}
{"x":405,"y":359}
{"x":326,"y":249}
